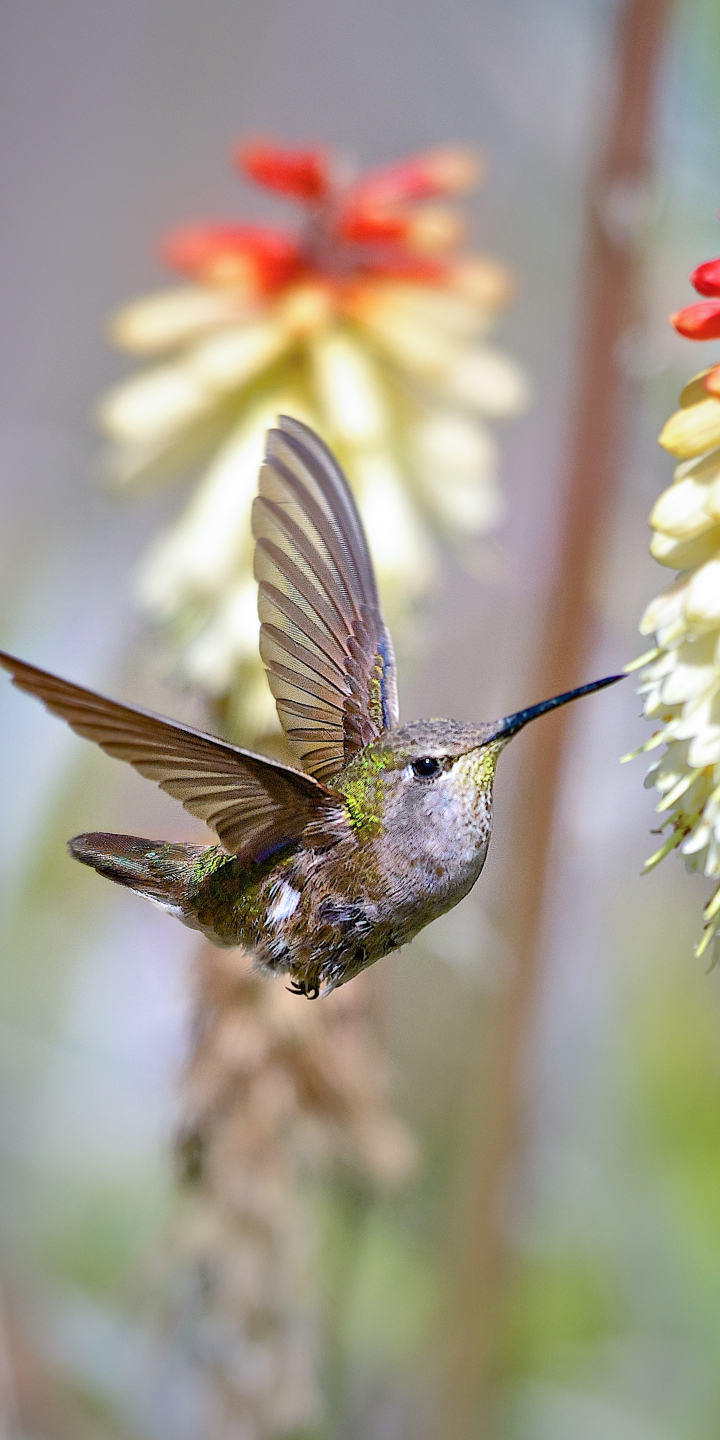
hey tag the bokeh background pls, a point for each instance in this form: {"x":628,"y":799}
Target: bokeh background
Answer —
{"x":116,"y":125}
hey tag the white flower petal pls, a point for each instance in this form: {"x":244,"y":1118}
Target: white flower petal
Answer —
{"x":174,"y":317}
{"x":432,"y":307}
{"x":230,"y":637}
{"x":705,"y":747}
{"x":231,"y":359}
{"x":665,"y":610}
{"x":685,"y":554}
{"x":455,"y":465}
{"x":350,"y":392}
{"x":212,"y":537}
{"x":484,"y":379}
{"x":415,"y":346}
{"x":702,"y":599}
{"x":681,"y":510}
{"x":154,"y":404}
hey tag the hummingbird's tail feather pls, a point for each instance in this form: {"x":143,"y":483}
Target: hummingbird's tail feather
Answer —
{"x":149,"y":867}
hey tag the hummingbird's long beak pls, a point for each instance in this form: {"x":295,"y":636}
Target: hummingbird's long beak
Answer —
{"x":512,"y":723}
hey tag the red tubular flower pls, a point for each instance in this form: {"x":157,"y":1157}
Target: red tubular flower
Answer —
{"x":706,"y":278}
{"x":304,"y":174}
{"x":420,"y":177}
{"x":366,"y":226}
{"x":698,"y":322}
{"x":263,"y":258}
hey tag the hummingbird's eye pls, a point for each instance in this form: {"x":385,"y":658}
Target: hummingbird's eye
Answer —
{"x":425,"y":767}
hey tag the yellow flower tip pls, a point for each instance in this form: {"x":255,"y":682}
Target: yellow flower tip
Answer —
{"x":350,"y":390}
{"x":702,"y":946}
{"x":641,"y":660}
{"x":305,"y":309}
{"x":436,"y":229}
{"x":454,"y":169}
{"x":693,"y":430}
{"x":711,"y":909}
{"x":483,"y":282}
{"x":232,"y":271}
{"x":173,"y":317}
{"x":695,"y":389}
{"x":672,"y":841}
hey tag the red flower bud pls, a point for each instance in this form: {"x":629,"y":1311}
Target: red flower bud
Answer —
{"x":706,"y":278}
{"x":698,"y":322}
{"x":263,"y":258}
{"x":372,"y":226}
{"x":303,"y":174}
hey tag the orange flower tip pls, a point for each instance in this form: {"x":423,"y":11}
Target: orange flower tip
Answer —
{"x":429,"y":230}
{"x":698,"y":322}
{"x":712,"y":381}
{"x":449,"y":171}
{"x":706,"y":279}
{"x":302,"y":174}
{"x":250,"y":255}
{"x":367,"y":226}
{"x":483,"y":281}
{"x":402,"y":265}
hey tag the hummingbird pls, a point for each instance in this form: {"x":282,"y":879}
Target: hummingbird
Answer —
{"x":323,"y":869}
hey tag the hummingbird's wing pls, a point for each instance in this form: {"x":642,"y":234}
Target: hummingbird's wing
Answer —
{"x":327,"y":651}
{"x":254,"y":805}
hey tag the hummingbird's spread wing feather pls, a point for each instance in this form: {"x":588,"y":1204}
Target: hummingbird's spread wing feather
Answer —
{"x":254,"y":805}
{"x":325,"y":646}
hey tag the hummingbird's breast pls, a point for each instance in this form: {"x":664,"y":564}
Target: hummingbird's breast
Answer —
{"x":434,"y":852}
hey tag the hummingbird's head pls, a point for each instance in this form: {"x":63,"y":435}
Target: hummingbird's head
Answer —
{"x":427,"y":786}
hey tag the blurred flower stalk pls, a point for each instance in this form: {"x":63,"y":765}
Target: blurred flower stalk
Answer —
{"x":275,"y":1092}
{"x":369,"y":322}
{"x":680,"y":678}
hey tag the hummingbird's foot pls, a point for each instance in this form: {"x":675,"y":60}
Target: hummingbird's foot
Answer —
{"x":301,"y":987}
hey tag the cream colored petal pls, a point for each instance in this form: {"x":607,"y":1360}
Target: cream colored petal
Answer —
{"x":691,"y":431}
{"x":212,"y":538}
{"x":665,"y":610}
{"x":455,"y":463}
{"x":702,"y":599}
{"x":706,"y":469}
{"x":486,"y":380}
{"x":483,"y":281}
{"x":695,"y":389}
{"x":231,"y":637}
{"x":174,"y":317}
{"x":230,"y":360}
{"x":435,"y":307}
{"x":415,"y":346}
{"x":705,"y":747}
{"x":685,"y":554}
{"x":693,"y":673}
{"x":713,"y":500}
{"x":697,"y":841}
{"x":350,"y":392}
{"x":153,"y":404}
{"x":681,"y":510}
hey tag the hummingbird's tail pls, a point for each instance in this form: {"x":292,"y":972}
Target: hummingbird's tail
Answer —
{"x":160,"y":872}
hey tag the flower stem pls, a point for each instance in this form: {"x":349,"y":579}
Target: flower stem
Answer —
{"x":482,"y":1260}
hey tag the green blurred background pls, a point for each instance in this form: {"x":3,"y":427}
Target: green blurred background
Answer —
{"x":116,"y":124}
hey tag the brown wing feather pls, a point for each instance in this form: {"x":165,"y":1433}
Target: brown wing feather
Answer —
{"x":254,"y":805}
{"x":325,"y":646}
